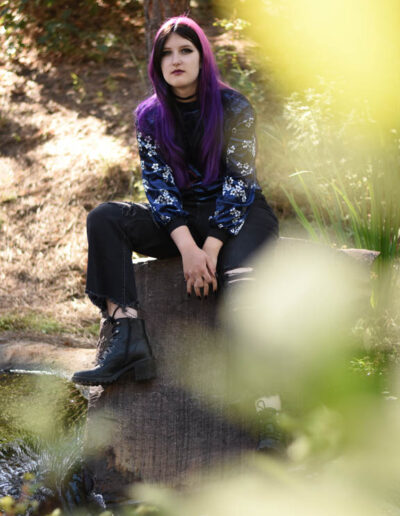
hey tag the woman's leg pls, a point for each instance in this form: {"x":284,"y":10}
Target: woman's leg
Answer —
{"x":235,"y":260}
{"x":236,"y":267}
{"x":114,"y":231}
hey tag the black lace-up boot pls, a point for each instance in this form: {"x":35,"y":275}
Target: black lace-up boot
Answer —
{"x":128,"y":349}
{"x":105,"y":335}
{"x":271,"y":437}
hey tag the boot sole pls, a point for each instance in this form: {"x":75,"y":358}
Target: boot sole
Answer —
{"x":143,"y":370}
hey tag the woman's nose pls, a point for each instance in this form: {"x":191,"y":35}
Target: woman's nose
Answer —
{"x":176,"y":58}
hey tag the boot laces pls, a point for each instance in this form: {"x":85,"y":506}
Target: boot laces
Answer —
{"x":110,"y":318}
{"x":268,"y":421}
{"x":115,"y":330}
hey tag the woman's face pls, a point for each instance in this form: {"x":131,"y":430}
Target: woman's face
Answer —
{"x":180,"y":65}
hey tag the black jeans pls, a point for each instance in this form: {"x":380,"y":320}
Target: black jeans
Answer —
{"x":116,"y":229}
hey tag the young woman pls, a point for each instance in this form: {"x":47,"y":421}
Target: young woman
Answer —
{"x":197,"y":147}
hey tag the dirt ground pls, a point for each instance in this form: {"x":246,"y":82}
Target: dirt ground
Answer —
{"x":66,"y":143}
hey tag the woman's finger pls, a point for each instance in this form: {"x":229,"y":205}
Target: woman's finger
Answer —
{"x":210,"y":266}
{"x":189,"y":286}
{"x":198,"y":285}
{"x":207,"y":276}
{"x":197,"y":290}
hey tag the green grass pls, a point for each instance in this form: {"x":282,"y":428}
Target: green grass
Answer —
{"x":340,"y":217}
{"x":33,"y":321}
{"x":39,"y":323}
{"x":344,"y":184}
{"x":93,"y":329}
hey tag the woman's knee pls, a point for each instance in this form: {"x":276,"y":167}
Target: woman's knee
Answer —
{"x":102,"y":215}
{"x":237,"y":275}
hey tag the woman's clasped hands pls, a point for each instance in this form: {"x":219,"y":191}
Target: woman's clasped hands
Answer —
{"x":199,"y":264}
{"x":199,"y":271}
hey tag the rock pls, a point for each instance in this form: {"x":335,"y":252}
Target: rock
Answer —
{"x":20,"y":353}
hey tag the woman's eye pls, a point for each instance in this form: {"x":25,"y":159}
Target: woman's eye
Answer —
{"x":187,"y":50}
{"x":165,"y":53}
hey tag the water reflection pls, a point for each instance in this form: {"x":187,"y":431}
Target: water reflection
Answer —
{"x":41,"y":441}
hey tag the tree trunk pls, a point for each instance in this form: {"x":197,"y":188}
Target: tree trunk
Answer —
{"x":156,"y":12}
{"x":180,"y":423}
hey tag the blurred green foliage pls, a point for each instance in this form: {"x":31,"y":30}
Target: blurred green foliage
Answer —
{"x":307,"y":338}
{"x":38,"y":405}
{"x":24,"y":504}
{"x":41,"y":426}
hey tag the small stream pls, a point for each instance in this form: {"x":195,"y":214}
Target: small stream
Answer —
{"x":42,"y":419}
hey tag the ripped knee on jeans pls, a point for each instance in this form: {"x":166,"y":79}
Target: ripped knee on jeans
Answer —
{"x":239,"y":274}
{"x":233,"y":279}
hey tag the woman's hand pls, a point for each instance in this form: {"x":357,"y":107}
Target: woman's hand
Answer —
{"x":197,"y":269}
{"x":212,"y":247}
{"x":198,"y":266}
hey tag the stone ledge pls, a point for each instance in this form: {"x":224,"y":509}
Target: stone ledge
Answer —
{"x":25,"y":354}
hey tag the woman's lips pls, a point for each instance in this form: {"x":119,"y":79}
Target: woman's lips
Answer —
{"x":177,"y":72}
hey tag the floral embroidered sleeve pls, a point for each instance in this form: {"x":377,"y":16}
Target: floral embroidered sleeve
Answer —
{"x":159,"y":184}
{"x":238,"y":189}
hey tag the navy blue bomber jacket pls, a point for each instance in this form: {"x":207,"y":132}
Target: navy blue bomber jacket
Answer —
{"x":235,"y":188}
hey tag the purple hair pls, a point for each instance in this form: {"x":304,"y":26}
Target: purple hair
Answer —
{"x":162,"y":104}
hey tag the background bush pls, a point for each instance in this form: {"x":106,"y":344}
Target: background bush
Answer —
{"x":62,"y":28}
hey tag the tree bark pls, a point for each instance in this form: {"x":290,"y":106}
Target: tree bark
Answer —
{"x":156,"y":12}
{"x":179,"y":423}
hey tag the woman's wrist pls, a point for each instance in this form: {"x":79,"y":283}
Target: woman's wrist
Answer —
{"x":212,"y":244}
{"x":183,"y":239}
